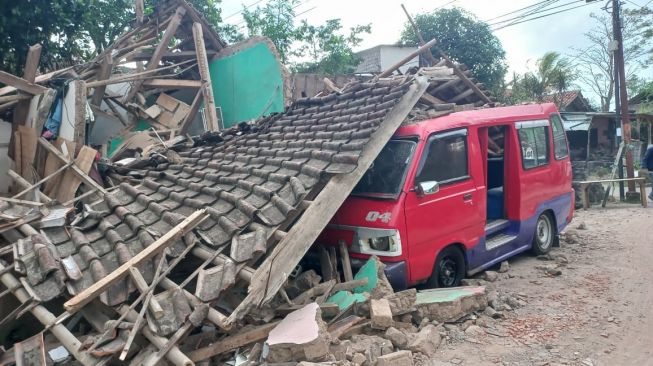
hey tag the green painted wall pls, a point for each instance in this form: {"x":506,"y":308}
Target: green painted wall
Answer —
{"x":245,"y":83}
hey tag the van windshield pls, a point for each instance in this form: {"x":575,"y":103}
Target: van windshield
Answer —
{"x":385,"y":178}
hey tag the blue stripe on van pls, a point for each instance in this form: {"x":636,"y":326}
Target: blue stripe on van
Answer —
{"x":478,"y":258}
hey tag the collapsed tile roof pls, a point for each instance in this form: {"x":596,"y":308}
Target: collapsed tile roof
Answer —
{"x":250,"y":185}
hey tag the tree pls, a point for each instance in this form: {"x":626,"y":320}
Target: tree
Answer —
{"x":465,"y":39}
{"x":307,"y":48}
{"x":70,"y":31}
{"x":595,"y":64}
{"x":553,"y":76}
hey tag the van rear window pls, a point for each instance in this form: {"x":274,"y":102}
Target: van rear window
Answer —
{"x":385,"y":178}
{"x":534,"y":143}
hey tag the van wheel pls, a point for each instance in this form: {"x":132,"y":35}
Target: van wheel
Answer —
{"x":544,"y":236}
{"x":449,"y":268}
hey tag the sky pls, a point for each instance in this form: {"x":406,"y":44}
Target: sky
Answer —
{"x":524,"y":43}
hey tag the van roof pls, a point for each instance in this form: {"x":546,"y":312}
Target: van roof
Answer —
{"x":479,"y":116}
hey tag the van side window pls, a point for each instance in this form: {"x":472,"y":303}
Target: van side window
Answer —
{"x":560,"y":150}
{"x":534,"y":140}
{"x":445,"y":158}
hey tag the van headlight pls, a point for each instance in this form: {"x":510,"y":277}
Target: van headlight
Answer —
{"x":382,"y":242}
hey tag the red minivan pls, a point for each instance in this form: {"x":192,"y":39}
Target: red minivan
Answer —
{"x":453,"y":195}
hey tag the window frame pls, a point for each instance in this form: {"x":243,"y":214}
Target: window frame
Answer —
{"x":535,"y":124}
{"x":553,"y":137}
{"x":425,"y":152}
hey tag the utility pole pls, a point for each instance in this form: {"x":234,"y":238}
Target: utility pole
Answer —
{"x":621,"y":93}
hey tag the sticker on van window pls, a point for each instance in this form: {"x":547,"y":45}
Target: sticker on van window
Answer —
{"x":374,"y":216}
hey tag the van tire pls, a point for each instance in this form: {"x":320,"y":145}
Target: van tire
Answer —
{"x":544,"y":235}
{"x":449,"y":268}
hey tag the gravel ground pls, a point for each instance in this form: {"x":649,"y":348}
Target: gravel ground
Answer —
{"x":587,"y":303}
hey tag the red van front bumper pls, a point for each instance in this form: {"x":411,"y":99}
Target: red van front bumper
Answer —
{"x":396,"y":272}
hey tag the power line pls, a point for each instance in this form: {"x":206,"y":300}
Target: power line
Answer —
{"x":535,"y":13}
{"x":515,"y":11}
{"x":538,"y":10}
{"x":239,"y":12}
{"x":543,"y":16}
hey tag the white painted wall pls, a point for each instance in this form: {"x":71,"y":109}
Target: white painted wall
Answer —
{"x":380,"y":58}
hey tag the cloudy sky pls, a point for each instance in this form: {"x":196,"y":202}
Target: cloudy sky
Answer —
{"x":524,"y":43}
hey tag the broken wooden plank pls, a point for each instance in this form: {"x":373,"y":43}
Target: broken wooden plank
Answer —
{"x":428,"y":55}
{"x":207,"y":90}
{"x":79,"y":172}
{"x":71,"y":181}
{"x":150,"y":251}
{"x":172,"y":84}
{"x":160,"y":49}
{"x":12,"y":98}
{"x":156,"y":358}
{"x":346,"y":264}
{"x":192,"y":112}
{"x":43,"y":180}
{"x":232,"y":342}
{"x":21,"y":84}
{"x":273,"y":272}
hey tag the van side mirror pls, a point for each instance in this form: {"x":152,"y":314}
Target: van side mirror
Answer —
{"x":427,"y":188}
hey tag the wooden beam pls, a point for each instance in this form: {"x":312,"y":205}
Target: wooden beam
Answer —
{"x":470,"y":84}
{"x":80,"y":173}
{"x":160,"y":49}
{"x":168,"y":56}
{"x":42,"y":197}
{"x":39,"y":79}
{"x":207,"y":90}
{"x":16,"y":97}
{"x":173,"y":84}
{"x":215,"y":41}
{"x":419,"y":51}
{"x":150,"y":251}
{"x":428,"y":55}
{"x":232,"y":342}
{"x":105,"y":72}
{"x":273,"y":272}
{"x":21,"y":84}
{"x":37,"y":184}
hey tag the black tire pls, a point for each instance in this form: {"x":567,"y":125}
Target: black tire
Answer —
{"x":544,"y":236}
{"x":449,"y":268}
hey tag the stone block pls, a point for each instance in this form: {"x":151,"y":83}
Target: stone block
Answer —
{"x":449,"y":304}
{"x":399,"y":358}
{"x":381,"y":314}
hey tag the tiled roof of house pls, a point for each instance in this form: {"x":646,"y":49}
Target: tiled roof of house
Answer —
{"x":249,"y":184}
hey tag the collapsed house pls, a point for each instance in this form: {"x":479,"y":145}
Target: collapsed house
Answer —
{"x":185,"y":249}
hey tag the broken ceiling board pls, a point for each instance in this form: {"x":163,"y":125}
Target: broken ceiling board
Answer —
{"x":167,"y":102}
{"x":248,"y":81}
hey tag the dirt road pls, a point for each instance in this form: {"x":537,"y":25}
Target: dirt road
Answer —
{"x":589,"y":303}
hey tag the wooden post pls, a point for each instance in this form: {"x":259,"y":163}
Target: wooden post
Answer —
{"x":29,"y":74}
{"x":105,"y":73}
{"x":428,"y":55}
{"x":346,"y":265}
{"x":642,"y":192}
{"x":585,"y":195}
{"x":207,"y":89}
{"x":160,"y":49}
{"x":153,"y":249}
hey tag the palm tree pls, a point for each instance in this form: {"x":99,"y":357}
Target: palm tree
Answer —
{"x":553,"y":75}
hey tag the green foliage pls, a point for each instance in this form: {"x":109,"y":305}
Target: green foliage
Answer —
{"x":70,"y":31}
{"x":465,"y":39}
{"x":330,"y":52}
{"x":307,"y":48}
{"x":554,"y":75}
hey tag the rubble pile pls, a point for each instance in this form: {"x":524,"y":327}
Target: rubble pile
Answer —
{"x":185,"y":245}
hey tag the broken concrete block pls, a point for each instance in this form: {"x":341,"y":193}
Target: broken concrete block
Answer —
{"x":370,"y":346}
{"x":426,"y":341}
{"x":397,"y":337}
{"x":449,"y":304}
{"x":490,"y":276}
{"x":381,"y":314}
{"x":402,"y":302}
{"x":399,"y":358}
{"x":358,"y":359}
{"x":377,"y":283}
{"x":300,"y":336}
